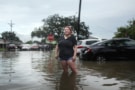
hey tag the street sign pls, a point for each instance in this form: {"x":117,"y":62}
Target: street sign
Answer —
{"x":50,"y":37}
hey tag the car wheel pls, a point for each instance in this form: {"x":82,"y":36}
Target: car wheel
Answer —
{"x":101,"y":58}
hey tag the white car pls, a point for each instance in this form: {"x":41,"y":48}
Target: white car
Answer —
{"x":35,"y":47}
{"x":26,"y":46}
{"x":85,"y":43}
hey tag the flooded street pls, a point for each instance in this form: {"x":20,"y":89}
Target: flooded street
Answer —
{"x":37,"y":70}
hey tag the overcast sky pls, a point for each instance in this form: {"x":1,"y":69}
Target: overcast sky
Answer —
{"x":102,"y":16}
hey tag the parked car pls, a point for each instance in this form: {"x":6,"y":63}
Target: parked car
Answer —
{"x":19,"y":47}
{"x":26,"y":47}
{"x":81,"y":44}
{"x":11,"y":47}
{"x":35,"y":47}
{"x":118,"y":48}
{"x":45,"y":47}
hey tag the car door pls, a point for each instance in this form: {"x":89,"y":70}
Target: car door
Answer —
{"x":121,"y":50}
{"x":110,"y":50}
{"x":129,"y":49}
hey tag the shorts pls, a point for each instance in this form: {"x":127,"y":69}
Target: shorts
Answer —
{"x":65,"y":58}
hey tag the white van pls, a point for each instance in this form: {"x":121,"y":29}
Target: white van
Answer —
{"x":85,"y":43}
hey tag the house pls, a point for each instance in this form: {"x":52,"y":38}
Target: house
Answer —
{"x":3,"y":43}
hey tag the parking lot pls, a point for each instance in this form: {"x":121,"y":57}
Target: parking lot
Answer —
{"x":38,"y":70}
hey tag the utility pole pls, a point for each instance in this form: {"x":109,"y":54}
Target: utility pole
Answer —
{"x":79,"y":15}
{"x":11,"y":25}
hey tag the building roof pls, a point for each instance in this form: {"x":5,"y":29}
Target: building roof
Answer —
{"x":3,"y":42}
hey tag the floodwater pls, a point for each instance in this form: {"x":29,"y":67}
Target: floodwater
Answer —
{"x":37,"y":70}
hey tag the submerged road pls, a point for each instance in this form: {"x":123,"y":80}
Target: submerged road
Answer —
{"x":37,"y":70}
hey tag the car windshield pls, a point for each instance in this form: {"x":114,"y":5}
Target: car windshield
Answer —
{"x":98,"y":43}
{"x":122,"y":42}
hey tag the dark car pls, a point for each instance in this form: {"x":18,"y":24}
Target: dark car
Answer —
{"x":19,"y":47}
{"x":117,"y":48}
{"x":11,"y":47}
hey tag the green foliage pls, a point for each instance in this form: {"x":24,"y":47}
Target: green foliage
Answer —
{"x":127,"y":31}
{"x":10,"y":36}
{"x":29,"y":42}
{"x":54,"y":24}
{"x":36,"y":42}
{"x":43,"y":41}
{"x":2,"y":49}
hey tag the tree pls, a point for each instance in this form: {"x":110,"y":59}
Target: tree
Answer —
{"x":127,"y":31}
{"x":29,"y":42}
{"x":10,"y":36}
{"x":54,"y":24}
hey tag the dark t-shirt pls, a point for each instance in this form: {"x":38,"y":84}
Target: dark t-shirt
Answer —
{"x":66,"y":46}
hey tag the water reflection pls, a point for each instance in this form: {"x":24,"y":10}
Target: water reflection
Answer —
{"x":40,"y":71}
{"x":8,"y":61}
{"x":52,"y":73}
{"x":123,"y":73}
{"x":68,"y":81}
{"x":45,"y":63}
{"x":122,"y":70}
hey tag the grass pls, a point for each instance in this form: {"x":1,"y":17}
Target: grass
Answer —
{"x":2,"y":49}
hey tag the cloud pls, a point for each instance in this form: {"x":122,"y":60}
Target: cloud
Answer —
{"x":105,"y":16}
{"x":102,"y":16}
